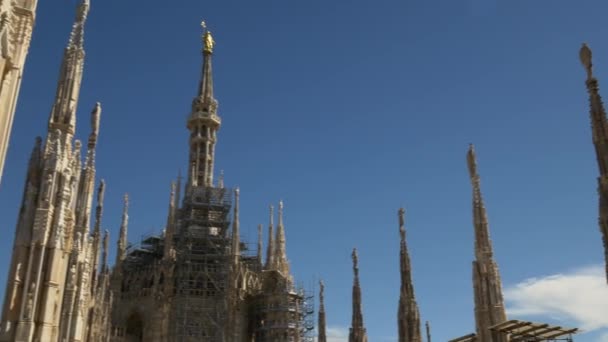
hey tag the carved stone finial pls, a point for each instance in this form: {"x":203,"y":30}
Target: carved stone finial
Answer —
{"x":585,"y":56}
{"x":271,"y":215}
{"x":355,"y":257}
{"x":83,"y":10}
{"x":77,"y":35}
{"x":402,"y":223}
{"x":280,"y":212}
{"x":472,"y":161}
{"x":95,"y":118}
{"x":321,"y":289}
{"x":220,"y":181}
{"x":101,"y":191}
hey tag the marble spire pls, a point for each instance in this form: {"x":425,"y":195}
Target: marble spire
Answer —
{"x":122,"y":239}
{"x":408,"y":316}
{"x":357,"y":331}
{"x":270,"y":247}
{"x":63,"y":114}
{"x":280,"y":254}
{"x":489,"y":304}
{"x":599,"y":129}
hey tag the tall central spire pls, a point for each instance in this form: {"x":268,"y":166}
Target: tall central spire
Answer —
{"x":408,"y":314}
{"x":599,"y":127}
{"x":203,"y":122}
{"x":357,"y":329}
{"x":63,"y":114}
{"x":489,"y":305}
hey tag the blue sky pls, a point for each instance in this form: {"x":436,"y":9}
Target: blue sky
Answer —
{"x":348,"y":110}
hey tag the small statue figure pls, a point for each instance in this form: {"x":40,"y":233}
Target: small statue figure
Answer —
{"x":48,"y":186}
{"x":30,"y":301}
{"x":72,"y":278}
{"x":77,"y":242}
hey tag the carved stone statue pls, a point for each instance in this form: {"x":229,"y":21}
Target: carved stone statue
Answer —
{"x":30,"y":301}
{"x":48,"y":186}
{"x":72,"y":277}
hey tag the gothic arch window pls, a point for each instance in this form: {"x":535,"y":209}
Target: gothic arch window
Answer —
{"x":135,"y":328}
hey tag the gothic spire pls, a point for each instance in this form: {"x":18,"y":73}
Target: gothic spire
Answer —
{"x":322,"y":324}
{"x":77,"y":34}
{"x":483,"y":245}
{"x":205,"y":89}
{"x":260,"y":244}
{"x":63,"y":114}
{"x":203,"y":122}
{"x":357,"y":329}
{"x":178,"y":193}
{"x":408,"y":313}
{"x":170,"y":228}
{"x":280,"y":254}
{"x":599,"y":128}
{"x":99,"y":208}
{"x":236,"y":238}
{"x":122,"y":239}
{"x":106,"y":239}
{"x":489,"y":305}
{"x":97,"y":228}
{"x":270,"y":248}
{"x":428,"y":332}
{"x":33,"y":166}
{"x":87,"y":180}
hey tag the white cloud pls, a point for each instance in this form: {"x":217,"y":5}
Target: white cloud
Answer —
{"x":578,"y":298}
{"x":337,"y":334}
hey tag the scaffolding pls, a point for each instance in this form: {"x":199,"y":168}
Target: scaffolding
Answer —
{"x":523,"y":331}
{"x":200,"y":306}
{"x":201,"y":279}
{"x":465,"y":338}
{"x":283,"y":313}
{"x":308,"y":315}
{"x":149,"y":248}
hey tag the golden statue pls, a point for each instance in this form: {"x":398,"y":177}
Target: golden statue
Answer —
{"x":207,"y":39}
